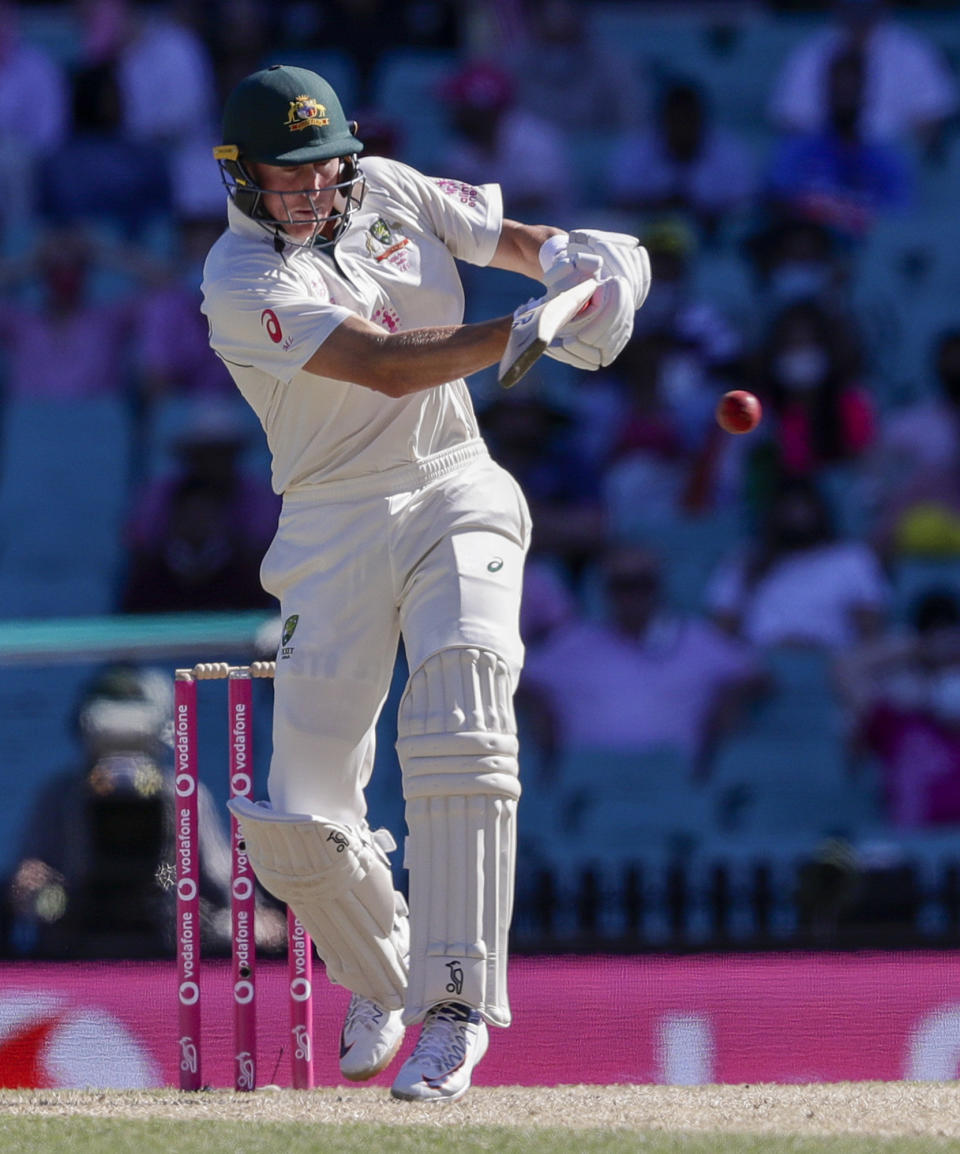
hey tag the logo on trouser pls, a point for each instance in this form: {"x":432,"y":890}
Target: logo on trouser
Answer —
{"x":289,"y":628}
{"x":455,"y":970}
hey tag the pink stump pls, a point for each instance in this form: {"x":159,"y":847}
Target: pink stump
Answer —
{"x":188,"y":880}
{"x":300,"y":970}
{"x":243,"y":892}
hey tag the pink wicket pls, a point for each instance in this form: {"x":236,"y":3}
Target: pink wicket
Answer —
{"x":300,"y":969}
{"x":188,"y":881}
{"x":242,"y":886}
{"x":242,"y":893}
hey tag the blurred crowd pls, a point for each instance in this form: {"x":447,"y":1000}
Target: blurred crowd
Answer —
{"x":793,"y":172}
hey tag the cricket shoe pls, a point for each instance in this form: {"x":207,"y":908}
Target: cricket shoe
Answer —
{"x":453,"y":1040}
{"x":370,"y":1038}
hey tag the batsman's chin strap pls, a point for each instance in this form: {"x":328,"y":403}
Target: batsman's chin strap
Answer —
{"x":320,"y":241}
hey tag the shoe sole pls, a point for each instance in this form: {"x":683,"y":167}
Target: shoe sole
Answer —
{"x":440,"y":1098}
{"x":366,"y":1074}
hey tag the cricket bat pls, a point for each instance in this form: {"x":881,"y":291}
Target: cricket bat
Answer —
{"x":533,"y":330}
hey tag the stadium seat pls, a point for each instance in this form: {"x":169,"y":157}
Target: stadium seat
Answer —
{"x":171,"y":415}
{"x":64,"y":487}
{"x":736,"y":56}
{"x":41,"y":591}
{"x":723,"y":279}
{"x":911,"y":576}
{"x":740,"y":63}
{"x":609,"y":805}
{"x":690,"y":545}
{"x":803,"y":700}
{"x":937,"y":182}
{"x":406,"y":89}
{"x":772,"y":783}
{"x":907,"y":269}
{"x":37,"y":705}
{"x":55,"y":28}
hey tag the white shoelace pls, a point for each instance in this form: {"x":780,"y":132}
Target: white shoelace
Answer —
{"x":443,"y":1040}
{"x":363,"y":1013}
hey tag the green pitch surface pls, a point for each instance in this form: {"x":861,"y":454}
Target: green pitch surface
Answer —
{"x":869,"y":1118}
{"x":162,"y":1136}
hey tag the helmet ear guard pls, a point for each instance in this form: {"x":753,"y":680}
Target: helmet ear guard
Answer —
{"x":350,"y":169}
{"x":240,"y":185}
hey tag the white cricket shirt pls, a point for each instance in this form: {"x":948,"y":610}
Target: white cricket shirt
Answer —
{"x":394,"y":265}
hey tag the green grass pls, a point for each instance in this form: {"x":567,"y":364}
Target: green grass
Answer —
{"x":79,"y":1135}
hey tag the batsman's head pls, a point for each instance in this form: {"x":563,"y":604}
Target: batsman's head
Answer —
{"x":282,"y":127}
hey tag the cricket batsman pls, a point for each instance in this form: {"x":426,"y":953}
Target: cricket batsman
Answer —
{"x":333,"y":297}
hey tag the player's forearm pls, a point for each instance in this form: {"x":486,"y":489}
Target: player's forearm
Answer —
{"x":423,"y":358}
{"x":398,"y":364}
{"x":518,"y":249}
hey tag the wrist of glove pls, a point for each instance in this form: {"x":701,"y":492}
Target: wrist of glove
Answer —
{"x":597,"y":335}
{"x":622,"y":255}
{"x":567,"y":271}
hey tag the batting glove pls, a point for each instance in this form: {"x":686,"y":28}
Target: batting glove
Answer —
{"x":597,"y":335}
{"x":622,"y":255}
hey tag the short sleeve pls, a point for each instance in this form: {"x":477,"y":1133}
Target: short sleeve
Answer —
{"x":271,"y":323}
{"x":467,"y":218}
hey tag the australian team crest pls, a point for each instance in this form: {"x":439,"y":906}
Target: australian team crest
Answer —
{"x":289,"y":626}
{"x":383,"y":242}
{"x":305,"y":112}
{"x":380,"y":231}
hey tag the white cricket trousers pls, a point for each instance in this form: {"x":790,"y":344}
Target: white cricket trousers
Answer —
{"x":434,"y":552}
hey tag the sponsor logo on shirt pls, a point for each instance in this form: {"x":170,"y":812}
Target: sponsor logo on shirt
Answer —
{"x":466,"y":193}
{"x":387,"y":318}
{"x":268,"y":318}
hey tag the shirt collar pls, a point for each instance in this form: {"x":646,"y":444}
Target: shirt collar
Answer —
{"x":240,"y":223}
{"x":244,"y":225}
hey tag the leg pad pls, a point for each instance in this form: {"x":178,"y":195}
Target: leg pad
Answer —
{"x":458,"y":749}
{"x":338,"y":882}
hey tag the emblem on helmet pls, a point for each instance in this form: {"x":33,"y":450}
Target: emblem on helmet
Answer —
{"x":305,"y":112}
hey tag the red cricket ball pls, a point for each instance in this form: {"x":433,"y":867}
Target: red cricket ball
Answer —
{"x":738,"y":411}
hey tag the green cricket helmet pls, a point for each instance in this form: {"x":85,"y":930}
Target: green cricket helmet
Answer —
{"x":287,"y":117}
